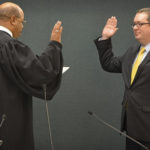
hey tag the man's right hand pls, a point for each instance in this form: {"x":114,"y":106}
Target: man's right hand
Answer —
{"x":56,"y":32}
{"x":110,"y":28}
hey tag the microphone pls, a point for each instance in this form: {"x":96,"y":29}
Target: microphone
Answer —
{"x":115,"y":129}
{"x":2,"y":121}
{"x":48,"y":117}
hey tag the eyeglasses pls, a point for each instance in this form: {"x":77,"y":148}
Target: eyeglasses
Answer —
{"x":139,"y":24}
{"x":23,"y":22}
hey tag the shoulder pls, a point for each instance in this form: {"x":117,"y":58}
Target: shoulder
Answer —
{"x":133,"y":48}
{"x":7,"y":40}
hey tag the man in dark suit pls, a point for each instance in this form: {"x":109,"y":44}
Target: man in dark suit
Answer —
{"x":135,"y":68}
{"x":23,"y":75}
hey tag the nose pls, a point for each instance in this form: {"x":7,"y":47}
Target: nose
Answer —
{"x":135,"y":27}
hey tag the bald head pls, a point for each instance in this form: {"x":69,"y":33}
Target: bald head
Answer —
{"x":12,"y":17}
{"x":9,"y":9}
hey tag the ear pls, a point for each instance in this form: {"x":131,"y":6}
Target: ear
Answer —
{"x":13,"y":20}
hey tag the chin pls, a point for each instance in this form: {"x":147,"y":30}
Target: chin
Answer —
{"x":137,"y":37}
{"x":17,"y":36}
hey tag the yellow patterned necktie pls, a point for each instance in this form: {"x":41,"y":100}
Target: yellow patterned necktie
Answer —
{"x":137,"y":63}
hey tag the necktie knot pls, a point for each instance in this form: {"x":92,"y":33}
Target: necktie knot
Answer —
{"x":142,"y":50}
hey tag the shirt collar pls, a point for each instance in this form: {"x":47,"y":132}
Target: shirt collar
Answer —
{"x":2,"y":28}
{"x":147,"y":47}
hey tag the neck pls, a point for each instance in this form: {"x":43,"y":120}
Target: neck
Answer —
{"x":5,"y":29}
{"x":6,"y":25}
{"x":144,"y":43}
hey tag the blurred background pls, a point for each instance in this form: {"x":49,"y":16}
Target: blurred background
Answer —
{"x":85,"y":86}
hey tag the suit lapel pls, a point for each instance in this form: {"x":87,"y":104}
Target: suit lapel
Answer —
{"x":128,"y":66}
{"x":147,"y":59}
{"x":140,"y":69}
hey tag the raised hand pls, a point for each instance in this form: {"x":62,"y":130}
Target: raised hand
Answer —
{"x":110,"y":28}
{"x":56,"y":32}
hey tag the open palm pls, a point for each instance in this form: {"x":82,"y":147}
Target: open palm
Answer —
{"x":110,"y":28}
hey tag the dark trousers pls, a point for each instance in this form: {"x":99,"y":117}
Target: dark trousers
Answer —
{"x":130,"y":145}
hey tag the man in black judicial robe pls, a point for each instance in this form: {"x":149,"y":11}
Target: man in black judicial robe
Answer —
{"x":22,"y":75}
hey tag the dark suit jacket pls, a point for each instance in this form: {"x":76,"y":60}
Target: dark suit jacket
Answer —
{"x":136,"y":101}
{"x":22,"y":75}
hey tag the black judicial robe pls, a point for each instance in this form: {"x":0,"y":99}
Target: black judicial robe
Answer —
{"x":22,"y":75}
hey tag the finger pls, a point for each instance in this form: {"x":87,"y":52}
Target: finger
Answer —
{"x":108,"y":21}
{"x":112,"y":21}
{"x":57,"y":25}
{"x":61,"y":28}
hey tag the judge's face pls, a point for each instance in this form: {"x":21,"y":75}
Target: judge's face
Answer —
{"x":18,"y":25}
{"x":141,"y":28}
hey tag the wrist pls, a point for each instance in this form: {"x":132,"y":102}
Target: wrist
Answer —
{"x":104,"y":37}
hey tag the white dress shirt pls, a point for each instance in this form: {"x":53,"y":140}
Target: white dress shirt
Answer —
{"x":147,"y":49}
{"x":2,"y":28}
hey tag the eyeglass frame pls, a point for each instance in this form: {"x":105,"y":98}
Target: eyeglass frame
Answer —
{"x":139,"y":24}
{"x":22,"y":21}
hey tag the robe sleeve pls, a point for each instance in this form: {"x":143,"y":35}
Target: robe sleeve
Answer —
{"x":31,"y":72}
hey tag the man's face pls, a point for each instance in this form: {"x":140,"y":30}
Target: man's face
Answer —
{"x":141,"y":28}
{"x":18,"y":26}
